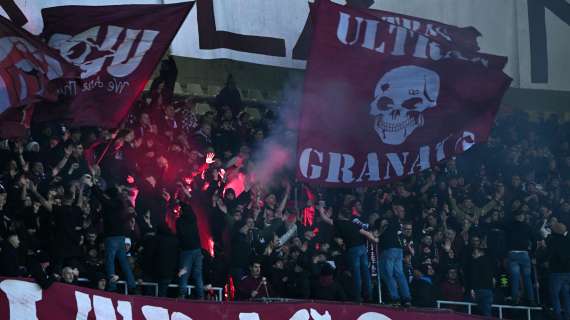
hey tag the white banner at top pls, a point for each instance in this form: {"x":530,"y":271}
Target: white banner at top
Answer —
{"x":534,"y":34}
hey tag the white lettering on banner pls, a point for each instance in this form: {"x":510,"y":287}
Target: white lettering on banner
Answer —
{"x":155,"y":313}
{"x":114,"y":85}
{"x":117,"y":86}
{"x":313,"y":315}
{"x":83,"y":303}
{"x":373,"y":316}
{"x":179,"y":316}
{"x":315,"y":170}
{"x":22,"y":297}
{"x":424,"y":48}
{"x":339,"y":167}
{"x":94,"y":55}
{"x":248,"y":316}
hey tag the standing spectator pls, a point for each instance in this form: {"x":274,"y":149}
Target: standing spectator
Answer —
{"x":558,"y":244}
{"x":519,"y":237}
{"x":242,"y":238}
{"x":391,"y":259}
{"x":479,"y":279}
{"x":355,"y":239}
{"x":191,"y":258}
{"x":115,"y":230}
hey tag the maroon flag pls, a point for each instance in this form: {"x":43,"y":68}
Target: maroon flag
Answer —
{"x":27,"y":67}
{"x":21,"y":299}
{"x":117,"y":49}
{"x":381,"y":104}
{"x":464,"y":38}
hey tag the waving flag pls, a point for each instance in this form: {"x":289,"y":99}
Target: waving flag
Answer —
{"x":117,"y":49}
{"x":382,"y":102}
{"x":27,"y":67}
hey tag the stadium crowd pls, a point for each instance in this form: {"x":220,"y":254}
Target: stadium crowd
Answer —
{"x":135,"y":203}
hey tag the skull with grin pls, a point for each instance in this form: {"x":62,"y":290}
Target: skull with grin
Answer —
{"x":400,"y":98}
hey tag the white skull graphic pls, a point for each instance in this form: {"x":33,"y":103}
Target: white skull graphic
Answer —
{"x":400,"y":98}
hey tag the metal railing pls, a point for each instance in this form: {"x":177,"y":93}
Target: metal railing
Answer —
{"x":470,"y":306}
{"x":219,"y":291}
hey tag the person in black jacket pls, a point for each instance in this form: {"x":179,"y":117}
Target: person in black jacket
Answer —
{"x":191,"y":259}
{"x":479,"y":279}
{"x":422,"y":287}
{"x":67,"y":247}
{"x":326,"y":287}
{"x":558,"y":244}
{"x":519,"y":238}
{"x":356,"y":252}
{"x":391,"y":259}
{"x":10,"y":261}
{"x":115,"y":231}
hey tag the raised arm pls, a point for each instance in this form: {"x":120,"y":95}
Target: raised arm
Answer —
{"x":67,"y":153}
{"x":44,"y":202}
{"x":326,"y":215}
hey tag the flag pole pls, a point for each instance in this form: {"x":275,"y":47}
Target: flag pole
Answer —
{"x":111,"y":142}
{"x":378,"y":275}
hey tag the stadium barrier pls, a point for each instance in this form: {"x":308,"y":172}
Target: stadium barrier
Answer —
{"x":500,"y":307}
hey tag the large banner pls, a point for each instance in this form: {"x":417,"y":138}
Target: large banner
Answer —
{"x":381,"y":103}
{"x":533,"y":34}
{"x":21,"y":300}
{"x":117,"y":49}
{"x":28,"y":67}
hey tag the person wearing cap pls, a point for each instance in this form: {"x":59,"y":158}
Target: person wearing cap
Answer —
{"x":557,"y":247}
{"x":519,"y":237}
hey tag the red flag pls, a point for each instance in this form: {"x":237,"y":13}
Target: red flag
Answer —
{"x":381,"y":104}
{"x":117,"y":49}
{"x":27,"y":67}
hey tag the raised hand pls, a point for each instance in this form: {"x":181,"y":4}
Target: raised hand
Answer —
{"x":210,"y":157}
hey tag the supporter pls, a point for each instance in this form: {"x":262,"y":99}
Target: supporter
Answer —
{"x":479,"y":277}
{"x":69,"y":275}
{"x":253,"y":286}
{"x":74,"y":195}
{"x":450,"y":289}
{"x":422,"y":287}
{"x":326,"y":287}
{"x":519,"y":238}
{"x":391,"y":259}
{"x":115,"y":229}
{"x":354,"y":237}
{"x":557,"y":246}
{"x":190,"y":251}
{"x":10,"y":257}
